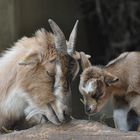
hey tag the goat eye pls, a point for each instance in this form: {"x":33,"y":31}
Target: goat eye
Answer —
{"x":52,"y":61}
{"x":93,"y":96}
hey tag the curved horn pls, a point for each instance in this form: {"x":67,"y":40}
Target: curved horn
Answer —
{"x":60,"y":41}
{"x":72,"y":39}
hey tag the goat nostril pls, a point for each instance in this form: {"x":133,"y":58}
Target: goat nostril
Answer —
{"x":66,"y":115}
{"x":88,"y":109}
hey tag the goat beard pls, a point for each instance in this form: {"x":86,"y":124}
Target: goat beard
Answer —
{"x":39,"y":116}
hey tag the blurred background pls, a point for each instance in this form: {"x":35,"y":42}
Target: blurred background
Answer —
{"x":106,"y":29}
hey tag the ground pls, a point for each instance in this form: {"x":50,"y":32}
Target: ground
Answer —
{"x":75,"y":130}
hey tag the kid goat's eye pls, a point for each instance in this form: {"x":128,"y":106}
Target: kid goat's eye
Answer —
{"x":93,"y":96}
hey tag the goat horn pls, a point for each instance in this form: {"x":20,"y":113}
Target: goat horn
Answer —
{"x":72,"y":39}
{"x":60,"y":41}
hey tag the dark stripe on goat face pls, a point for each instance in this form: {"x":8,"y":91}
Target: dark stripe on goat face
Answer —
{"x":69,"y":72}
{"x":63,"y":83}
{"x":70,"y":64}
{"x":99,"y":91}
{"x":66,"y":64}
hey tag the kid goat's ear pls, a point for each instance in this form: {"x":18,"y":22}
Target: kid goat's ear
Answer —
{"x":77,"y":55}
{"x":85,"y":63}
{"x":30,"y":59}
{"x":110,"y":79}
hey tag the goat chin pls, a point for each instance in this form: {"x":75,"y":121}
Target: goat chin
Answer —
{"x":36,"y":117}
{"x":42,"y":115}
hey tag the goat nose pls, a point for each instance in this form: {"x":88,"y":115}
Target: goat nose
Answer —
{"x":66,"y":115}
{"x":88,"y":109}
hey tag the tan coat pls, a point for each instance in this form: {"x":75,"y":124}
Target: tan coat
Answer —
{"x":35,"y":78}
{"x":120,"y":78}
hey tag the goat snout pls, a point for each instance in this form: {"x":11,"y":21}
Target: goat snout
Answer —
{"x":88,"y":109}
{"x":66,"y":115}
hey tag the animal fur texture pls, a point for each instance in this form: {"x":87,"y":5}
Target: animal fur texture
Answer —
{"x":120,"y":78}
{"x":36,"y":76}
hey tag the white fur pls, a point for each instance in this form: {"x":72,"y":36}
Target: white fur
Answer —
{"x":30,"y":112}
{"x":17,"y":104}
{"x":11,"y":53}
{"x":120,"y":119}
{"x":58,"y":91}
{"x":90,"y":86}
{"x":61,"y":98}
{"x":14,"y":103}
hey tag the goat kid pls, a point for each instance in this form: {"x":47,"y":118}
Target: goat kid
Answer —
{"x":120,"y":78}
{"x":35,"y":77}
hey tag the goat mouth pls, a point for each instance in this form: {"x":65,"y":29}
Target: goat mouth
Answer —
{"x":92,"y":113}
{"x":56,"y":119}
{"x":60,"y":121}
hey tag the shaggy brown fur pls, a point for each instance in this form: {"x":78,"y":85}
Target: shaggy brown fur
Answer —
{"x":34,"y":80}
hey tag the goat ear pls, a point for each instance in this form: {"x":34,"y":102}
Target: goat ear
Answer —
{"x":110,"y":79}
{"x":30,"y":59}
{"x":85,"y":63}
{"x":77,"y":56}
{"x":76,"y":70}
